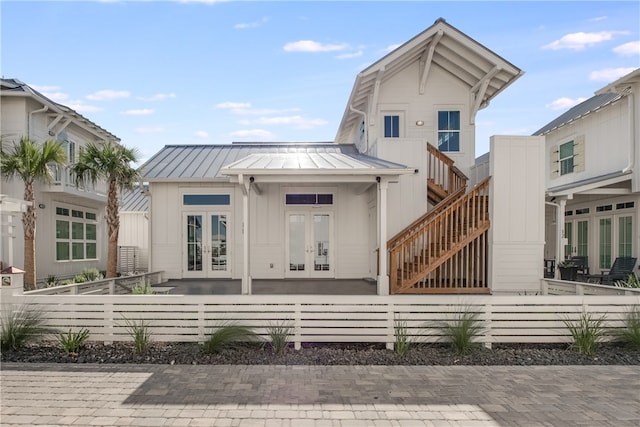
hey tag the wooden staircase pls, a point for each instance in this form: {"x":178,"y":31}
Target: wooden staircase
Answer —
{"x":445,"y":250}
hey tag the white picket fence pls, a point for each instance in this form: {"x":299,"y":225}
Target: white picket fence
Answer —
{"x":372,"y":319}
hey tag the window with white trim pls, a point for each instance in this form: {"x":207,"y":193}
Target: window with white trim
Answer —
{"x":76,"y":234}
{"x":392,"y":126}
{"x":449,"y":131}
{"x":566,"y":158}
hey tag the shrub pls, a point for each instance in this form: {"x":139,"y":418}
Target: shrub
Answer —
{"x":632,"y":282}
{"x":21,"y":326}
{"x":279,"y":336}
{"x":226,"y":335}
{"x":402,"y":341}
{"x":71,"y":341}
{"x":587,"y":332}
{"x":630,"y":333}
{"x":140,"y":333}
{"x":79,"y":278}
{"x":142,"y":288}
{"x":51,"y":281}
{"x":92,"y":274}
{"x":463,"y":330}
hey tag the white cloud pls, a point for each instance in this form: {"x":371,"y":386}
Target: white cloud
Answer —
{"x":391,"y":48}
{"x":229,"y":105}
{"x":201,"y":134}
{"x":564,"y":103}
{"x":598,"y":18}
{"x":158,"y":97}
{"x":246,"y":109}
{"x":313,"y":46}
{"x":108,"y":94}
{"x":144,"y":130}
{"x":350,"y":55}
{"x":298,"y":122}
{"x":255,"y":134}
{"x":580,"y":41}
{"x":245,"y":25}
{"x":81,"y":107}
{"x":628,"y":49}
{"x":140,"y":112}
{"x":608,"y":75}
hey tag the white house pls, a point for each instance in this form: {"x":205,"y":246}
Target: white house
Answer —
{"x":593,"y":177}
{"x":388,"y":199}
{"x":71,"y":234}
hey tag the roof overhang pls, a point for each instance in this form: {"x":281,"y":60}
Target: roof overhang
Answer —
{"x":622,"y":83}
{"x":595,"y":185}
{"x":441,"y":45}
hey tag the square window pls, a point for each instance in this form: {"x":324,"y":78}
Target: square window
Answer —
{"x":77,"y":250}
{"x":77,"y":230}
{"x":62,"y":251}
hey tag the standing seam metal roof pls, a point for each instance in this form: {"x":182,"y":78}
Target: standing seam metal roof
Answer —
{"x":198,"y":162}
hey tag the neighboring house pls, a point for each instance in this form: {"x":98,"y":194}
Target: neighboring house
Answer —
{"x":593,"y":177}
{"x":71,"y":234}
{"x":387,"y":199}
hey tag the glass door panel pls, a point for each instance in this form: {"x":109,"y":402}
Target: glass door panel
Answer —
{"x":625,"y":236}
{"x":297,"y":242}
{"x":583,"y":238}
{"x":194,"y":242}
{"x":604,"y":245}
{"x":218,"y":242}
{"x":321,"y":238}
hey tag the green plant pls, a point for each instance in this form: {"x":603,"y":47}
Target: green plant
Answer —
{"x":67,"y":282}
{"x":140,"y":333}
{"x":91,"y":274}
{"x":51,"y":281}
{"x":630,"y":333}
{"x":567,"y":264}
{"x":587,"y":332}
{"x":20,"y":326}
{"x":226,"y":335}
{"x":402,"y":341}
{"x":142,"y":288}
{"x":632,"y":282}
{"x":79,"y":278}
{"x":463,"y":330}
{"x":71,"y":341}
{"x":279,"y":335}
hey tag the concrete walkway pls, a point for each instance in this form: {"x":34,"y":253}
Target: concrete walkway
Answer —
{"x":335,"y":396}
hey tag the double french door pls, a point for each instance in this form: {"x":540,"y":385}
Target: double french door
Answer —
{"x":205,"y":251}
{"x":309,"y":244}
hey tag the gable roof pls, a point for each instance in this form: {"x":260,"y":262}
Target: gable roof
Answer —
{"x":15,"y":87}
{"x":206,"y":162}
{"x":589,"y":106}
{"x":486,"y":73}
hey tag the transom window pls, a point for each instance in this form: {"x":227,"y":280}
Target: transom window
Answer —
{"x":566,"y":158}
{"x":392,"y":126}
{"x":76,"y":234}
{"x":309,"y":199}
{"x":449,"y":130}
{"x":206,"y":199}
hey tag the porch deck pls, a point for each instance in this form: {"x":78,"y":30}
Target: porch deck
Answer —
{"x":272,"y":287}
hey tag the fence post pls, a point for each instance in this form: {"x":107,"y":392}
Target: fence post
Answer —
{"x":297,"y":324}
{"x":201,"y":323}
{"x":108,"y":323}
{"x":488,"y":320}
{"x":391,"y":329}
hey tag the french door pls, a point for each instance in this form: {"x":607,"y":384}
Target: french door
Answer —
{"x":205,"y":251}
{"x":309,"y":244}
{"x":615,"y":239}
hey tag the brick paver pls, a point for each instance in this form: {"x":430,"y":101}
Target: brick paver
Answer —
{"x":318,"y":396}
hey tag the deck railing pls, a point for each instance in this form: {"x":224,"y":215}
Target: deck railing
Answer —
{"x":442,"y":173}
{"x":445,"y":252}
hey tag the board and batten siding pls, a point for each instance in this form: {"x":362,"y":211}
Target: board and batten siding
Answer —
{"x":516,"y":200}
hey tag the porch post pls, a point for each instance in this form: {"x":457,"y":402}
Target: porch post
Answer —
{"x":246,"y":278}
{"x":561,"y":239}
{"x":383,"y":277}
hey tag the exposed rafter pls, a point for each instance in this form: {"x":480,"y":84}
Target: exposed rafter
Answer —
{"x":426,"y":59}
{"x":478,"y":91}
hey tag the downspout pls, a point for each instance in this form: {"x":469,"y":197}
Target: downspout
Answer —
{"x":632,"y":134}
{"x":366,"y":132}
{"x":42,"y":110}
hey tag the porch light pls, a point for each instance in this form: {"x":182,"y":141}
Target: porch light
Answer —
{"x":420,"y":123}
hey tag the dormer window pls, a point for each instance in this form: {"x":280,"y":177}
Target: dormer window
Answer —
{"x":449,"y":130}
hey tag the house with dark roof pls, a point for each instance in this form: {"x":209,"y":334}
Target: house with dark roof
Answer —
{"x":593,"y":177}
{"x":389,"y":199}
{"x":70,"y":234}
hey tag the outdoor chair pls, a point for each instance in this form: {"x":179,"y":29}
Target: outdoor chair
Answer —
{"x":582,"y":265}
{"x":621,"y":269}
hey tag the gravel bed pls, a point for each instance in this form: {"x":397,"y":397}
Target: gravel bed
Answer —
{"x":327,"y":354}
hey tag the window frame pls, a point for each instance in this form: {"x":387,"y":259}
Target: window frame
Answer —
{"x":76,"y":241}
{"x":397,"y":128}
{"x":567,"y":163}
{"x":449,"y":131}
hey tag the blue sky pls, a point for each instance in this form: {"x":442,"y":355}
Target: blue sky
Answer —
{"x":202,"y":72}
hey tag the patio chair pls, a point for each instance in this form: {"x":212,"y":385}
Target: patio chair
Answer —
{"x":582,"y":264}
{"x":621,"y":269}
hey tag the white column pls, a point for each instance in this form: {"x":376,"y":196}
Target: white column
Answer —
{"x":561,"y":239}
{"x":246,"y":278}
{"x":383,"y":277}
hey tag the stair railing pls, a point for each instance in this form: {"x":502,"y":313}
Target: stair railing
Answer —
{"x":446,"y":250}
{"x":442,"y":172}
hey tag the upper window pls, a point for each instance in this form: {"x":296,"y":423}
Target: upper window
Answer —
{"x":392,"y":126}
{"x":449,"y":130}
{"x":566,"y":158}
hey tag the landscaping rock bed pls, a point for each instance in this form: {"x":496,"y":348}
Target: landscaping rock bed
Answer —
{"x":326,"y":354}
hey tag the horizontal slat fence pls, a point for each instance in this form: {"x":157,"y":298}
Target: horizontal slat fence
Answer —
{"x":371,"y":319}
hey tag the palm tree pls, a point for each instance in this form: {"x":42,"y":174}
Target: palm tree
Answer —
{"x":110,"y":162}
{"x":30,"y":162}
